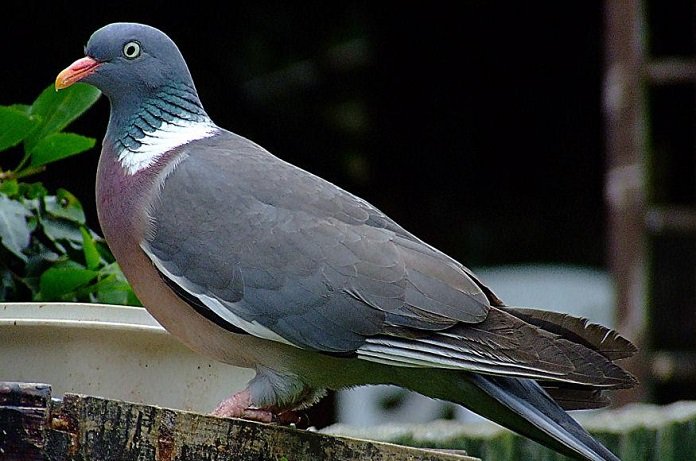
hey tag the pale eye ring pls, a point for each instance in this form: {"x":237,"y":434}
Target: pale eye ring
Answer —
{"x":131,"y":50}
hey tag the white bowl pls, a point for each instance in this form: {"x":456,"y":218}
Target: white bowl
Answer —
{"x":117,"y":352}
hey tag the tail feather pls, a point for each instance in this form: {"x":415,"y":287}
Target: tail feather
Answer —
{"x":536,"y":415}
{"x":597,"y":337}
{"x":521,"y":405}
{"x":576,"y":398}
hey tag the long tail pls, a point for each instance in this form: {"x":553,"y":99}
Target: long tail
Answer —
{"x":521,"y":405}
{"x":531,"y":412}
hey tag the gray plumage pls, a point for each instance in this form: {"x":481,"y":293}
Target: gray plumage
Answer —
{"x":329,"y":272}
{"x":258,"y":263}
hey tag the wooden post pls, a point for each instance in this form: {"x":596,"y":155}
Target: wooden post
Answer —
{"x":95,"y":429}
{"x":625,"y":181}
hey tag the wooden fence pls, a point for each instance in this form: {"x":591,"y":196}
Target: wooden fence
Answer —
{"x":635,"y":432}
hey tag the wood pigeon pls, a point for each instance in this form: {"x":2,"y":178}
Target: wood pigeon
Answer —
{"x":257,"y":263}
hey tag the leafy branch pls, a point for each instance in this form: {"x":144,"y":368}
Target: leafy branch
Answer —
{"x":47,"y":252}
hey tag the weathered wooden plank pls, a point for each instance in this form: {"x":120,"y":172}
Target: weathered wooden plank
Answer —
{"x":84,"y":428}
{"x":23,"y":416}
{"x":106,"y":430}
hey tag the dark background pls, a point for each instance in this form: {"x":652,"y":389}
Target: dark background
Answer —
{"x":476,"y":125}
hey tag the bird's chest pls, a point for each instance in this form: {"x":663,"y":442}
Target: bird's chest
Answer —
{"x":121,"y":205}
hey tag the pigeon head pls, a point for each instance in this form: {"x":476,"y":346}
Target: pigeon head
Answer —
{"x":154,"y":103}
{"x":128,"y":60}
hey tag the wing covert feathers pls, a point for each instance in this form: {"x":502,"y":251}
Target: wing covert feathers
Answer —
{"x":505,"y":345}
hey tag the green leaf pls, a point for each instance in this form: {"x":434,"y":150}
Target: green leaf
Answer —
{"x":113,"y":288}
{"x":9,"y":187}
{"x":60,"y":231}
{"x":7,"y":285}
{"x":61,"y":280}
{"x":41,"y":257}
{"x":32,"y":190}
{"x":23,"y":108}
{"x":89,"y":247}
{"x":14,"y":230}
{"x":15,"y":125}
{"x":104,"y":251}
{"x":65,"y":205}
{"x":57,"y":146}
{"x":57,"y":109}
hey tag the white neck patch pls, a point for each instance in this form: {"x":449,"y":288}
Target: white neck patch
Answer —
{"x":157,"y":143}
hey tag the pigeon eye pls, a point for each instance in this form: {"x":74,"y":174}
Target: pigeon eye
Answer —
{"x":131,"y":50}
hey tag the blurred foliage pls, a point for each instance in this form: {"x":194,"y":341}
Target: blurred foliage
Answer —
{"x":47,"y":252}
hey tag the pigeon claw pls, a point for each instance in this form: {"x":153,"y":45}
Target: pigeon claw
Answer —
{"x":239,"y":406}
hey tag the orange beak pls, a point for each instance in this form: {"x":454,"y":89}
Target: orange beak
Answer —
{"x":76,"y":72}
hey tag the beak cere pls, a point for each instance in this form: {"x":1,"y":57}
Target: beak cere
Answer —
{"x":76,"y":72}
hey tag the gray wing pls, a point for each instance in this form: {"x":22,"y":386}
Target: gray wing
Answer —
{"x":259,"y":245}
{"x":283,"y":254}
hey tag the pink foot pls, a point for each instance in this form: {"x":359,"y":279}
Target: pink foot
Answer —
{"x":239,"y":406}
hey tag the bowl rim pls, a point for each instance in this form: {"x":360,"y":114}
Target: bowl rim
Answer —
{"x":78,"y":315}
